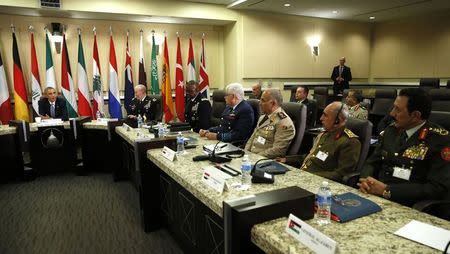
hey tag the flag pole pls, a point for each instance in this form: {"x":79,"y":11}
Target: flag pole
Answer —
{"x":110,"y":30}
{"x":79,"y":31}
{"x":13,"y":28}
{"x":94,"y":30}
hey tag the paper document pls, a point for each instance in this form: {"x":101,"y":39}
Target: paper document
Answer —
{"x":426,"y":234}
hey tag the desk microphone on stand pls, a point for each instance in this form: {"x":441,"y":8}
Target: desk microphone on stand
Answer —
{"x":261,"y":176}
{"x":212,"y":156}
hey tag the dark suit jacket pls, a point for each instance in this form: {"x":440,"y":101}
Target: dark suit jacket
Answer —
{"x":236,"y":124}
{"x":338,"y":88}
{"x":60,"y":108}
{"x":197,"y":112}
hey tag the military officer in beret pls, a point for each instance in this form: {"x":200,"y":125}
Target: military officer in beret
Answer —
{"x":275,"y":129}
{"x":237,"y":118}
{"x":198,"y":109}
{"x":353,"y":101}
{"x":411,"y":162}
{"x":336,"y":150}
{"x":142,"y":105}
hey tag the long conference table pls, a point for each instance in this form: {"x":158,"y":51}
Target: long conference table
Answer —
{"x":183,"y":194}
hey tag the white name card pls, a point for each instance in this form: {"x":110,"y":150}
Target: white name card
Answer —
{"x":309,"y":236}
{"x":168,"y":153}
{"x":214,"y":178}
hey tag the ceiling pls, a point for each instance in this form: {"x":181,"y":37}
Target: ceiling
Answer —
{"x":355,"y":10}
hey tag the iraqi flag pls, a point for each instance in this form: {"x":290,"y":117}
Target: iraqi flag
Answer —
{"x":179,"y":82}
{"x":20,"y":91}
{"x":67,"y":87}
{"x":166,"y":87}
{"x":191,"y":63}
{"x":84,"y":100}
{"x":129,"y":88}
{"x":36,"y":91}
{"x":50,"y":79}
{"x":97,"y":89}
{"x":203,"y":74}
{"x":115,"y":110}
{"x":5,"y":101}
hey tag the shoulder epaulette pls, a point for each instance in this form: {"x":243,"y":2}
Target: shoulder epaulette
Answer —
{"x":350,"y":134}
{"x":439,"y":130}
{"x":204,"y":99}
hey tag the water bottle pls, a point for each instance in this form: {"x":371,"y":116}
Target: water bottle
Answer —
{"x":323,"y":204}
{"x":180,"y":144}
{"x":139,"y":121}
{"x":246,"y":167}
{"x":98,"y":115}
{"x":161,"y":131}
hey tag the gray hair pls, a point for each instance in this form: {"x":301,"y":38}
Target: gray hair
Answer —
{"x":343,"y":115}
{"x":141,"y":87}
{"x":275,"y":94}
{"x":236,"y":89}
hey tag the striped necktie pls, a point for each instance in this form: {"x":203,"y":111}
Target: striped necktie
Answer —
{"x":52,"y":110}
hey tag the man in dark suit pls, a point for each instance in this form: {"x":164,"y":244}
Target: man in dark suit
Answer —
{"x":301,"y":96}
{"x":51,"y":106}
{"x":142,"y":105}
{"x":198,"y":109}
{"x":341,"y":76}
{"x":256,"y":91}
{"x":237,"y":118}
{"x":412,"y":160}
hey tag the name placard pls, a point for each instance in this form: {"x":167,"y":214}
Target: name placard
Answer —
{"x":214,"y":178}
{"x":309,"y":236}
{"x":168,"y":153}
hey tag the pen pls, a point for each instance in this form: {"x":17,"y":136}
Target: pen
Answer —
{"x":236,"y":171}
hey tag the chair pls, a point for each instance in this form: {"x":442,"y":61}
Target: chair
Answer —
{"x":441,"y":118}
{"x":384,"y":99}
{"x":218,"y":106}
{"x":321,"y":97}
{"x":438,"y":208}
{"x":159,"y":108}
{"x":448,"y":84}
{"x":297,"y":112}
{"x":293,"y":92}
{"x":441,"y":99}
{"x":256,"y":110}
{"x":362,"y":128}
{"x":428,"y":83}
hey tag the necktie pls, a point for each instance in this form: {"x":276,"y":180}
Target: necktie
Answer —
{"x":340,"y":70}
{"x":52,"y":110}
{"x":263,"y":120}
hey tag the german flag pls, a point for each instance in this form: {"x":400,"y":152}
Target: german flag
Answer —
{"x":20,"y":90}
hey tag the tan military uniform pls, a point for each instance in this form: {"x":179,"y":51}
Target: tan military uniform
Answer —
{"x":358,"y":112}
{"x":333,"y":155}
{"x":273,"y":135}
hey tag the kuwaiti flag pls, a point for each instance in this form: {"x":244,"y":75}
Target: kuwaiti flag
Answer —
{"x":36,"y":91}
{"x":115,"y":109}
{"x":97,"y":89}
{"x":84,"y":100}
{"x":67,"y":87}
{"x":50,"y":80}
{"x":142,"y":74}
{"x":203,"y":74}
{"x":191,"y":63}
{"x":5,"y":101}
{"x":129,"y":88}
{"x":179,"y":82}
{"x":154,"y":74}
{"x":166,"y":87}
{"x":20,"y":91}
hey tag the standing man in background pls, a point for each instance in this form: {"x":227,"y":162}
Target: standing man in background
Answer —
{"x":341,"y":76}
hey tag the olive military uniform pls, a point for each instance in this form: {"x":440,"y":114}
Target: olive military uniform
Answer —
{"x":273,"y":135}
{"x":424,"y":156}
{"x":146,"y":108}
{"x":198,"y":112}
{"x":358,"y":112}
{"x":334,"y":154}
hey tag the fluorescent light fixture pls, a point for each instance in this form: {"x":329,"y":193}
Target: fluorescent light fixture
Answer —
{"x":335,"y":12}
{"x":238,"y":2}
{"x":287,"y":5}
{"x":371,"y":17}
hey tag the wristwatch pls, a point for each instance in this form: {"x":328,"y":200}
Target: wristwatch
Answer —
{"x":387,"y":192}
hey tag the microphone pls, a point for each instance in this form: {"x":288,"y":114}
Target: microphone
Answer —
{"x":212,"y":156}
{"x":261,"y":176}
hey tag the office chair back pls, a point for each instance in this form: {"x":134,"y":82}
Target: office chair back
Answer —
{"x":321,"y":97}
{"x":256,"y":110}
{"x":428,"y":83}
{"x":441,"y":118}
{"x":218,"y":106}
{"x":384,"y":99}
{"x":441,"y":99}
{"x":362,"y":128}
{"x":297,"y":112}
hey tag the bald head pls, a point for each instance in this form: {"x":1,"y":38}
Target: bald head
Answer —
{"x":342,"y":60}
{"x":334,"y":116}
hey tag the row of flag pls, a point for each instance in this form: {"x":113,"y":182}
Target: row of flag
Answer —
{"x":82,"y":107}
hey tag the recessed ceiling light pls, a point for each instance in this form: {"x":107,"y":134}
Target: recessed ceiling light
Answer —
{"x":371,"y":17}
{"x":335,"y":12}
{"x":287,"y":5}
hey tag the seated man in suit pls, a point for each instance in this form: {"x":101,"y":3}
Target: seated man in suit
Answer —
{"x":412,"y":159}
{"x":275,"y":129}
{"x":237,"y":118}
{"x":336,"y":150}
{"x":355,"y":110}
{"x":198,"y":109}
{"x":142,"y":105}
{"x":52,"y":106}
{"x":301,"y":96}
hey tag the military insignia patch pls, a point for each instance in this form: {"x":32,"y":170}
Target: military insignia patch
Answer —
{"x":350,"y":134}
{"x":440,"y":131}
{"x":416,"y":152}
{"x":445,"y":153}
{"x":147,"y":106}
{"x":282,"y":115}
{"x":154,"y":99}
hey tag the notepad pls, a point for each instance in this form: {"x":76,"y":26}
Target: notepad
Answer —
{"x":426,"y":234}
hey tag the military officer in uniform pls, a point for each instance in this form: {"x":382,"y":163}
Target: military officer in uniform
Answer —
{"x":275,"y":129}
{"x":336,"y":150}
{"x":198,"y":109}
{"x":353,"y":101}
{"x":411,"y":161}
{"x":142,"y":105}
{"x":237,"y":118}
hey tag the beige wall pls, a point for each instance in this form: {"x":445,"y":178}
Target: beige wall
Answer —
{"x":213,"y":44}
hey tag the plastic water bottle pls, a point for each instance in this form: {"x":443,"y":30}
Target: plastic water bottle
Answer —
{"x":323,"y":204}
{"x":161,"y":131}
{"x":98,"y":115}
{"x":246,"y":167}
{"x":180,"y":143}
{"x":139,"y":121}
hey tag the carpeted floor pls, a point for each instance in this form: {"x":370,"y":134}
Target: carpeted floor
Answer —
{"x":75,"y":214}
